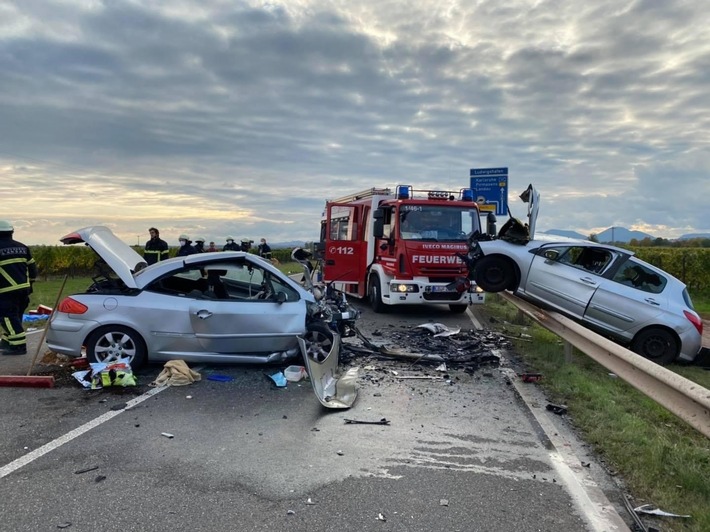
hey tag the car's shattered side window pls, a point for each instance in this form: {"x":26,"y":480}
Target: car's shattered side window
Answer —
{"x":639,"y":276}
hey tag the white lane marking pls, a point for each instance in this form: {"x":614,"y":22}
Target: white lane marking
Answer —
{"x":592,"y":503}
{"x":476,"y":324}
{"x":69,"y":436}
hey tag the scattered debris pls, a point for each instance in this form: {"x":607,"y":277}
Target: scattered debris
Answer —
{"x":556,"y":409}
{"x":652,"y":510}
{"x":441,"y":367}
{"x":290,"y":512}
{"x":295,"y":373}
{"x":82,"y":471}
{"x":119,"y":406}
{"x":586,"y":464}
{"x":279,"y":379}
{"x":176,"y":373}
{"x":66,"y":524}
{"x":383,"y":421}
{"x":340,"y":453}
{"x":439,"y":329}
{"x":309,"y":501}
{"x":219,"y":378}
{"x":167,"y":435}
{"x":381,"y":517}
{"x":423,"y":377}
{"x":531,"y":377}
{"x":102,"y":375}
{"x":443,"y":502}
{"x":100,"y":478}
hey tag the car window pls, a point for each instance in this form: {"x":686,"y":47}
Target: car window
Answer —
{"x":635,"y":274}
{"x":591,"y":259}
{"x":237,"y":280}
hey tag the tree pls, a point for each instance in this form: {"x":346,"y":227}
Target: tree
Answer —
{"x":593,"y":238}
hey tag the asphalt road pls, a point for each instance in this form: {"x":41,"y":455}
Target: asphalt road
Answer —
{"x":463,"y":452}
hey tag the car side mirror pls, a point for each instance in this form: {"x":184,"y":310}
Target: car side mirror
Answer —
{"x":281,"y":297}
{"x":551,"y":254}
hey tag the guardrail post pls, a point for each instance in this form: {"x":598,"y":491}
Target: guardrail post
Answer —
{"x":569,"y":348}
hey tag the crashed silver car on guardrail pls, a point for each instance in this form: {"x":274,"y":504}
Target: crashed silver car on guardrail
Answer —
{"x":603,"y":287}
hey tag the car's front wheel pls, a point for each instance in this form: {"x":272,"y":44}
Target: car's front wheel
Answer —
{"x":375,"y":293}
{"x":319,"y":341}
{"x":494,"y":274}
{"x":111,"y":342}
{"x":656,"y":344}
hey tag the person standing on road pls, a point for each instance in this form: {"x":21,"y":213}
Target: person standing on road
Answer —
{"x":200,"y":244}
{"x":18,"y":272}
{"x":186,"y":247}
{"x":212,"y":248}
{"x":156,"y":249}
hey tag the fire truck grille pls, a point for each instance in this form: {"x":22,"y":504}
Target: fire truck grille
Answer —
{"x":443,"y":279}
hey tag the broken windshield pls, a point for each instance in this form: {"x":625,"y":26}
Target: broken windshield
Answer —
{"x":437,"y":222}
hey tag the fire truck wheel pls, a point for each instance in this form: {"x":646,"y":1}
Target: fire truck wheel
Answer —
{"x":458,"y":309}
{"x":495,"y":274}
{"x":375,"y":293}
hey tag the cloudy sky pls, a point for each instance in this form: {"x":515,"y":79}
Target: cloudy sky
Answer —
{"x":227,"y":117}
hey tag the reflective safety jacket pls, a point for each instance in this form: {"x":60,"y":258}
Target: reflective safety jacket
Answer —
{"x":156,"y":250}
{"x":17,"y":267}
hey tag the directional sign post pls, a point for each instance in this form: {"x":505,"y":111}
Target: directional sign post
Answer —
{"x":490,"y":188}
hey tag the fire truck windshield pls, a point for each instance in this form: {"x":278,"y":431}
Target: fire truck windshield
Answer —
{"x":437,"y":222}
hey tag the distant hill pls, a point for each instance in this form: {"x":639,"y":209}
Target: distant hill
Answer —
{"x":566,"y":234}
{"x":613,"y":234}
{"x":693,"y":235}
{"x":621,"y":234}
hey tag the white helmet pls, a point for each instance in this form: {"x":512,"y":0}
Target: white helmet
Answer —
{"x":6,"y":226}
{"x":200,"y":239}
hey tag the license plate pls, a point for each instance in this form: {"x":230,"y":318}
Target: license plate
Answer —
{"x":441,"y":289}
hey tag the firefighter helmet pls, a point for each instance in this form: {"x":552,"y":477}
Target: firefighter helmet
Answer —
{"x":6,"y":226}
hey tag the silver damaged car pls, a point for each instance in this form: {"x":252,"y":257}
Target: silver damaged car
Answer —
{"x":226,"y":306}
{"x":603,"y":287}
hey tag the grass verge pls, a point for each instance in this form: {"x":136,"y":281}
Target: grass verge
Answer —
{"x":662,"y":460}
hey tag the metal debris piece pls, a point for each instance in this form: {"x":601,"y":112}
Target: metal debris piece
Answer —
{"x":650,"y":509}
{"x":381,"y":517}
{"x":424,"y":377}
{"x":290,"y":512}
{"x":167,"y":435}
{"x":100,"y":478}
{"x":556,"y":409}
{"x":81,"y":471}
{"x":441,"y":367}
{"x":531,"y":377}
{"x":383,"y":421}
{"x":439,"y":329}
{"x":340,"y":453}
{"x":309,"y":501}
{"x":443,"y":502}
{"x":66,"y":524}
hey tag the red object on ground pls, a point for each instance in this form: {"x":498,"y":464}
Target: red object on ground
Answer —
{"x":80,"y":363}
{"x":43,"y":309}
{"x":27,"y":382}
{"x":531,"y":377}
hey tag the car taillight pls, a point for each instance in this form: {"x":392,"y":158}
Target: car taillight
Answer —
{"x":72,"y":306}
{"x":695,"y":320}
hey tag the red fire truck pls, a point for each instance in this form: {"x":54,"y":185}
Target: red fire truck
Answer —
{"x":401,"y":247}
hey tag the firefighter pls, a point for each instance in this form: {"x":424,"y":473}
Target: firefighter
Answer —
{"x":200,"y":244}
{"x":264,"y":249}
{"x":231,"y":245}
{"x":18,"y":272}
{"x":156,"y":249}
{"x":246,"y":244}
{"x":186,"y":247}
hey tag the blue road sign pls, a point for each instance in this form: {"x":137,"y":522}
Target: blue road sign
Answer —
{"x":490,"y":188}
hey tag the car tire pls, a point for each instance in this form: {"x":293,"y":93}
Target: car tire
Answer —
{"x":319,"y":341}
{"x":656,"y":344}
{"x":111,"y":342}
{"x":495,"y":274}
{"x":375,"y":293}
{"x":458,"y":309}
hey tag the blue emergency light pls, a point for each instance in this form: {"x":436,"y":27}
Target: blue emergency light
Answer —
{"x":467,"y":194}
{"x":403,"y":191}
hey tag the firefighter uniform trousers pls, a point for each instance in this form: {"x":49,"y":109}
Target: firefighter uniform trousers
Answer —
{"x":12,"y":306}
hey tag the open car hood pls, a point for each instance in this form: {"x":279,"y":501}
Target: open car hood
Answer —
{"x":532,"y":197}
{"x":120,"y":257}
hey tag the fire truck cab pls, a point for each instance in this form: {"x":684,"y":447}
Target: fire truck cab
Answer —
{"x":402,"y":247}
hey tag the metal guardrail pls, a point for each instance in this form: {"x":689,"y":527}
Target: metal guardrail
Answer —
{"x":684,"y":398}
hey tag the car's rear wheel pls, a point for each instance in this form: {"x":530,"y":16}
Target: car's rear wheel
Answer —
{"x":656,"y":344}
{"x":319,"y":341}
{"x":458,"y":309}
{"x":495,"y":274}
{"x":375,"y":293}
{"x":111,"y":342}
